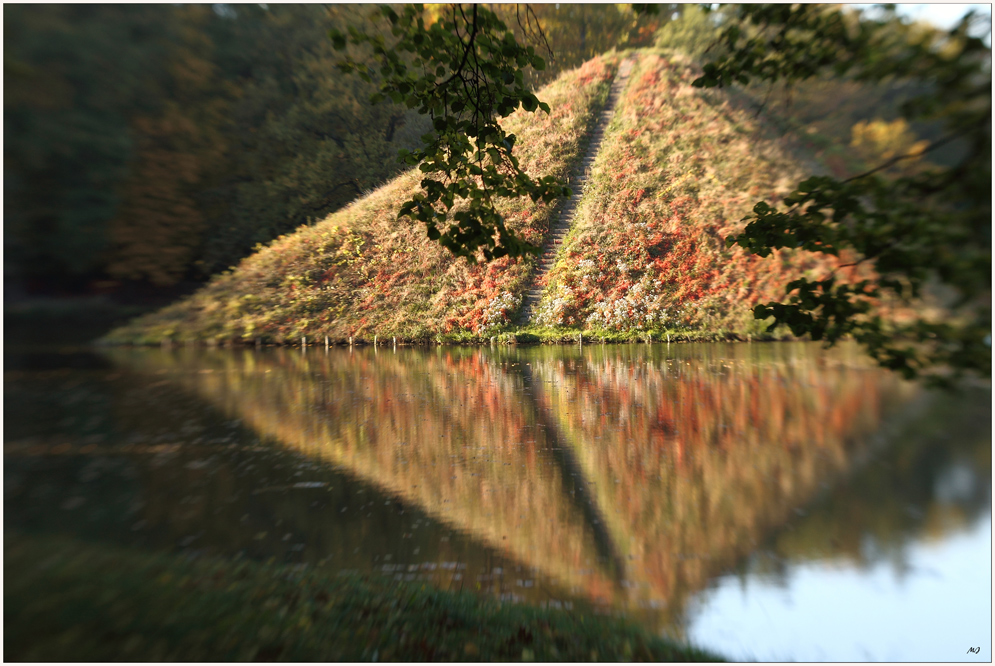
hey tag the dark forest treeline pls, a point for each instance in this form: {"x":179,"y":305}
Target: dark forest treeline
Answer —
{"x":158,"y":144}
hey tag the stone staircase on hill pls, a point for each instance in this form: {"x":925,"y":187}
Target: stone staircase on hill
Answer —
{"x":564,"y":220}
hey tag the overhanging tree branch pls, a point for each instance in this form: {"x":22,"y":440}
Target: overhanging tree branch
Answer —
{"x":931,"y":227}
{"x":468,"y":158}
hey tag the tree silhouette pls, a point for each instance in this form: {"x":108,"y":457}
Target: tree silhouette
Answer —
{"x":925,"y":233}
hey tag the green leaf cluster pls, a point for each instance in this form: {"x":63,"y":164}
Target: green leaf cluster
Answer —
{"x":161,"y":143}
{"x":465,"y":72}
{"x":927,"y":236}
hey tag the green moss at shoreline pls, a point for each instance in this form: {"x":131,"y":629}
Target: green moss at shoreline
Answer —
{"x":69,"y":600}
{"x":527,"y":335}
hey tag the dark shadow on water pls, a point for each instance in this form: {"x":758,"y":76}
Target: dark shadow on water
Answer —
{"x":575,"y":482}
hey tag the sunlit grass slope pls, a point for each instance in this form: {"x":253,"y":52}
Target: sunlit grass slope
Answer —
{"x":678,"y":170}
{"x":361,"y":272}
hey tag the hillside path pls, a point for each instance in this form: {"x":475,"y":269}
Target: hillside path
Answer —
{"x":565,"y":218}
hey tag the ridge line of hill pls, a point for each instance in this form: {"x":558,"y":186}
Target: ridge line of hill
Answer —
{"x":362,"y":272}
{"x":565,"y":218}
{"x":638,"y":252}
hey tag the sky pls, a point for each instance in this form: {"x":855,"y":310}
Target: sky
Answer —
{"x":944,"y":16}
{"x":940,"y":15}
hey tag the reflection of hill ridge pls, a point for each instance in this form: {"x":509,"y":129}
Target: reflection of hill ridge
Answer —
{"x":581,"y":491}
{"x":387,"y":419}
{"x":691,"y":469}
{"x":893,"y":497}
{"x":683,"y":463}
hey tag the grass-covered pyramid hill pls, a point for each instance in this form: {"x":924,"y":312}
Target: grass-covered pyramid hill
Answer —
{"x":677,"y":171}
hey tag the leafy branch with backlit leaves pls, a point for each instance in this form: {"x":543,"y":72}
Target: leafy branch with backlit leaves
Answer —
{"x":928,"y":231}
{"x":464,"y":70}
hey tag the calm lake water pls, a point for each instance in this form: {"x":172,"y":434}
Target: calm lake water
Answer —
{"x":766,"y":501}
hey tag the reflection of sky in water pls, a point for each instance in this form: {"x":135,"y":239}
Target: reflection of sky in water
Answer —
{"x":932,"y":609}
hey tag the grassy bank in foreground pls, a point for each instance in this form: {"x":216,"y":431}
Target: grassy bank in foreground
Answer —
{"x":66,"y":600}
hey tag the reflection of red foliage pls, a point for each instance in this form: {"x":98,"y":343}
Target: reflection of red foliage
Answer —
{"x":702,"y":458}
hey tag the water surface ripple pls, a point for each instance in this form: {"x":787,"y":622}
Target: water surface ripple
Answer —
{"x":686,"y":486}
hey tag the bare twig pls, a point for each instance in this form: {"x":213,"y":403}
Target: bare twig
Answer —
{"x":541,"y":33}
{"x":908,"y":156}
{"x":469,"y":46}
{"x":530,"y":34}
{"x":763,"y":104}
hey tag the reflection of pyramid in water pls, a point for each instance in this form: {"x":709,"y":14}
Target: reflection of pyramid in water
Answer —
{"x":693,"y":464}
{"x":628,"y":481}
{"x":449,"y":435}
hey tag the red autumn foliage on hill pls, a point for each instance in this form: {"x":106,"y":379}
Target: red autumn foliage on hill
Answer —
{"x":678,"y":171}
{"x":362,"y":272}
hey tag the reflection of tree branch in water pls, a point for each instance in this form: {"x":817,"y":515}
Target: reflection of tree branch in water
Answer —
{"x":581,"y":492}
